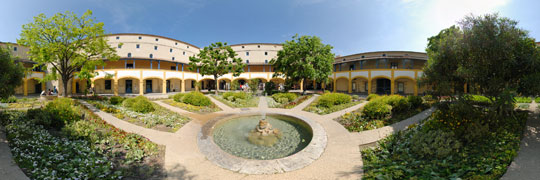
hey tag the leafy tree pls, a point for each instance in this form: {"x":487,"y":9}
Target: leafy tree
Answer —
{"x":71,"y":45}
{"x":253,"y":85}
{"x":489,"y":52}
{"x":304,"y":58}
{"x":441,"y":68}
{"x":217,"y":60}
{"x":12,"y":73}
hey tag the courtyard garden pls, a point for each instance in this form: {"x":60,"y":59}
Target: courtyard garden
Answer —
{"x":140,"y":111}
{"x":238,"y":99}
{"x":381,"y":111}
{"x":332,"y":102}
{"x":286,"y":100}
{"x":193,"y":102}
{"x":65,"y":140}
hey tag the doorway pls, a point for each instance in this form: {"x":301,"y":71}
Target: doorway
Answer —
{"x":168,"y":85}
{"x":129,"y":86}
{"x":383,"y":86}
{"x":148,"y":86}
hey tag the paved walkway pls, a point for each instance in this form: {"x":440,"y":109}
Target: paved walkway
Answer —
{"x":526,"y":164}
{"x":8,"y":168}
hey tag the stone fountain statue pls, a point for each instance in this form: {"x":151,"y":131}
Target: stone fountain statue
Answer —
{"x":264,"y":134}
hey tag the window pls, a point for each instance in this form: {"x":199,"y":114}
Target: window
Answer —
{"x":393,"y":65}
{"x":175,"y":43}
{"x":129,"y":55}
{"x":173,"y":58}
{"x":157,"y":39}
{"x":14,"y":48}
{"x":400,"y":87}
{"x":351,"y":67}
{"x":192,"y":84}
{"x":362,"y":64}
{"x":242,"y":47}
{"x":173,"y":67}
{"x":140,"y":37}
{"x":247,"y":61}
{"x":265,"y":61}
{"x":170,"y":50}
{"x":155,"y":47}
{"x":184,"y":53}
{"x":363,"y":56}
{"x":265,"y":53}
{"x":119,"y":46}
{"x":383,"y":55}
{"x":129,"y":66}
{"x":188,"y":47}
{"x":151,"y":56}
{"x":247,"y":53}
{"x":259,"y":46}
{"x":138,"y":46}
{"x":107,"y":84}
{"x":117,"y":37}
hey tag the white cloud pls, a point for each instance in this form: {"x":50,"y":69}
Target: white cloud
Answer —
{"x":431,"y":16}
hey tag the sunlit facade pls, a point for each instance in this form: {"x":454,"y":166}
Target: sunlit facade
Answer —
{"x":157,"y":64}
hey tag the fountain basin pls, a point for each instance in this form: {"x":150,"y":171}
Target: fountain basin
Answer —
{"x":224,"y":142}
{"x":233,"y":134}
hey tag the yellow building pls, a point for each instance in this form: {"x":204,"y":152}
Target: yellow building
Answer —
{"x":157,"y":64}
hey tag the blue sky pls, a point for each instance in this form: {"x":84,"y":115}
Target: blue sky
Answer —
{"x":351,"y":26}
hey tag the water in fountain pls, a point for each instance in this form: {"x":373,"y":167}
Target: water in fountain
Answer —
{"x":238,"y":137}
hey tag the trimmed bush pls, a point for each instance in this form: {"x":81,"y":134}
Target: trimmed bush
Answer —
{"x":289,"y":96}
{"x":61,"y":112}
{"x":178,"y":97}
{"x":372,"y":97}
{"x":415,"y":101}
{"x":10,"y":99}
{"x":196,"y":99}
{"x":116,"y":100}
{"x":139,"y":104}
{"x":331,"y":99}
{"x":376,"y":110}
{"x":235,"y":96}
{"x":523,"y":99}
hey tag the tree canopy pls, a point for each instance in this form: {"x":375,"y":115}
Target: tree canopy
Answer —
{"x":304,"y":58}
{"x":72,"y":45}
{"x":217,"y":60}
{"x":487,"y":52}
{"x":12,"y":73}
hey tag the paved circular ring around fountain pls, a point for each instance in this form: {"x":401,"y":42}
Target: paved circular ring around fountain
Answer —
{"x":293,"y":162}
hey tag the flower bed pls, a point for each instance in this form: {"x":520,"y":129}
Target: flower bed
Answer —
{"x":238,"y":99}
{"x":460,"y":142}
{"x":14,"y":103}
{"x":290,"y":101}
{"x":331,"y":102}
{"x":159,"y":118}
{"x":382,"y":111}
{"x":84,"y":148}
{"x":193,"y":102}
{"x":192,"y":108}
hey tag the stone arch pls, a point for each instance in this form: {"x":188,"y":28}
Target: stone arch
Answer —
{"x":404,"y":85}
{"x":381,"y":85}
{"x":129,"y":85}
{"x":359,"y":84}
{"x":342,"y":84}
{"x":173,"y":84}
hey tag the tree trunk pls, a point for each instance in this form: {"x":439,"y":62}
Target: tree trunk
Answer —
{"x":65,"y":83}
{"x":304,"y":86}
{"x":217,"y":84}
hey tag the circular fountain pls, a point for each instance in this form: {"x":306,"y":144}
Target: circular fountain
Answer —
{"x":262,"y":144}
